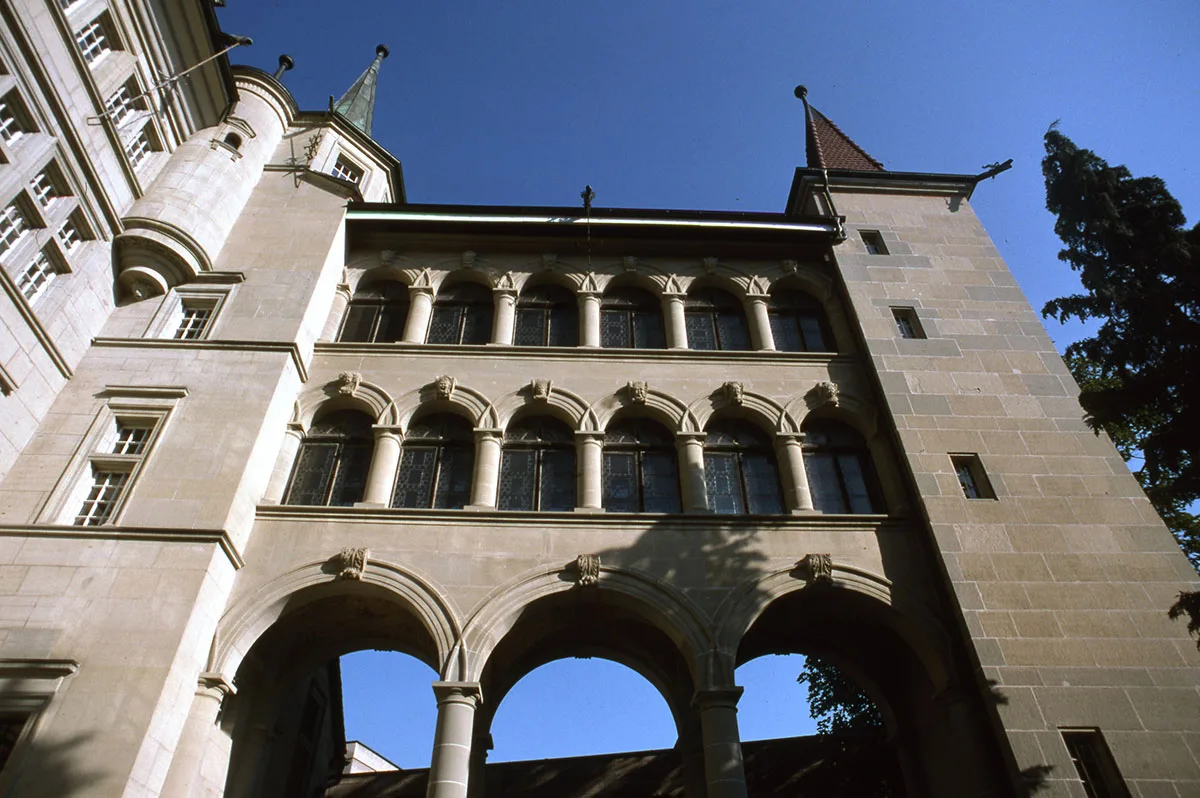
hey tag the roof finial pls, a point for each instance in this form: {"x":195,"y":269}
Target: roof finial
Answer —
{"x":826,"y":146}
{"x":358,"y":104}
{"x":285,"y":63}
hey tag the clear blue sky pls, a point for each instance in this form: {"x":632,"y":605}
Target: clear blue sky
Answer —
{"x":689,"y":105}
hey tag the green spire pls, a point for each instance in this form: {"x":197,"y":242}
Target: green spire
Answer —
{"x":358,"y":104}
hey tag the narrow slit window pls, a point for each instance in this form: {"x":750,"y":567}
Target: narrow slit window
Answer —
{"x":873,"y":242}
{"x":971,"y":476}
{"x":907,"y":323}
{"x":1094,"y":764}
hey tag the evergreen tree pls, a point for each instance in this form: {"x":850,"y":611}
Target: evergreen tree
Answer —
{"x":1140,"y":373}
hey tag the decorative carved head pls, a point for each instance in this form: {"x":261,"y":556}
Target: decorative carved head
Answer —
{"x":348,"y":382}
{"x":587,"y":569}
{"x":548,"y":260}
{"x":444,"y":385}
{"x":638,"y":391}
{"x":630,"y":263}
{"x":823,"y":393}
{"x":540,"y":389}
{"x":352,"y":562}
{"x":818,"y":568}
{"x":710,"y":265}
{"x":791,"y":266}
{"x":734,"y":392}
{"x":468,"y":259}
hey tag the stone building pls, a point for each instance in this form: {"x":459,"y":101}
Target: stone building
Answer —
{"x":258,"y":410}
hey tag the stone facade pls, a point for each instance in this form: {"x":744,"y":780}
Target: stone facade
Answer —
{"x":168,"y":604}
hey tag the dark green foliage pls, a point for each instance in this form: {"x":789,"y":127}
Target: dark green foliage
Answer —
{"x":836,"y":703}
{"x":1140,"y":373}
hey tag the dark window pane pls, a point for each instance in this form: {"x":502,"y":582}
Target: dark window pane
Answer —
{"x":557,"y":480}
{"x":445,"y":325}
{"x":701,"y":334}
{"x":614,"y":329}
{"x":517,"y":483}
{"x":724,"y":486}
{"x":814,"y":337}
{"x":660,"y":483}
{"x":620,"y":482}
{"x":391,"y":326}
{"x":351,"y":478}
{"x":11,"y":726}
{"x":360,"y":323}
{"x":454,"y":478}
{"x":313,"y":471}
{"x":762,"y":483}
{"x":648,"y":332}
{"x":531,"y":327}
{"x":823,"y":483}
{"x":415,"y":483}
{"x":855,"y":483}
{"x":564,"y":325}
{"x":734,"y":335}
{"x":477,"y":325}
{"x":786,"y":334}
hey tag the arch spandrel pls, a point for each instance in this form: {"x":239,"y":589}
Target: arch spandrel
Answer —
{"x":451,"y":397}
{"x":735,"y":400}
{"x":658,"y":405}
{"x":347,"y":392}
{"x":567,"y":406}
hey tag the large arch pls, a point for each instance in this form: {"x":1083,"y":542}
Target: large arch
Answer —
{"x":668,"y":410}
{"x":732,"y":398}
{"x":567,"y":406}
{"x":445,"y":394}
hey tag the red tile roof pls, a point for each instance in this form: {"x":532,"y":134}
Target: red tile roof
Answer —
{"x":827,"y":147}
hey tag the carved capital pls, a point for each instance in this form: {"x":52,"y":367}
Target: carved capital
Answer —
{"x":733,"y":392}
{"x":444,"y":386}
{"x":348,"y":382}
{"x":817,"y":568}
{"x":638,"y":391}
{"x":352,"y":562}
{"x":823,"y":393}
{"x":540,"y":389}
{"x":586,"y":569}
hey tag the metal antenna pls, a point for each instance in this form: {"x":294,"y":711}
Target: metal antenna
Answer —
{"x":587,"y":195}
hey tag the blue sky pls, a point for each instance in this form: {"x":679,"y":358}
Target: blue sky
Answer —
{"x":689,"y":105}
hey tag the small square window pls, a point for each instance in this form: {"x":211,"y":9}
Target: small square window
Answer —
{"x":70,"y":235}
{"x":1094,"y":763}
{"x":971,"y":476}
{"x":94,"y":40}
{"x":131,"y":439}
{"x":48,"y":186}
{"x":873,"y":241}
{"x":347,"y":170}
{"x":36,"y":277}
{"x":194,"y":322}
{"x":123,"y":102}
{"x":907,"y":323}
{"x":102,"y":497}
{"x":14,"y":120}
{"x":13,"y":224}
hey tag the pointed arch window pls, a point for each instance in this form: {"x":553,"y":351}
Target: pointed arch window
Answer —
{"x":640,"y":472}
{"x":740,"y":471}
{"x":436,"y":464}
{"x":537,"y":467}
{"x":715,"y":321}
{"x":838,"y":465}
{"x":377,"y":314}
{"x":462,"y":314}
{"x":547,"y":315}
{"x":631,"y":318}
{"x":798,"y":322}
{"x":331,"y":466}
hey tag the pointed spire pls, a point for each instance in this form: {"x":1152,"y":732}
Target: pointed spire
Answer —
{"x":827,"y":147}
{"x":358,"y":104}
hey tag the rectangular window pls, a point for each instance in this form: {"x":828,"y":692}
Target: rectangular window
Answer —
{"x":93,"y":41}
{"x":12,"y":118}
{"x":907,"y":323}
{"x":971,"y":476}
{"x":48,"y":186}
{"x":120,"y":106}
{"x":347,"y":170}
{"x":65,"y":4}
{"x":69,"y":235}
{"x":102,"y":497}
{"x":131,"y":439}
{"x":194,"y":323}
{"x":138,"y":148}
{"x":873,"y":242}
{"x":1094,"y":764}
{"x":12,"y":226}
{"x":12,"y":725}
{"x":36,"y":277}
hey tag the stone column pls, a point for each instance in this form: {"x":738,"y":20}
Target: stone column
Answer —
{"x":589,"y":319}
{"x":690,"y":446}
{"x":420,"y":308}
{"x":795,"y":478}
{"x":277,"y":484}
{"x":760,"y":323}
{"x":722,"y":746}
{"x":451,"y":763}
{"x":676,"y":326}
{"x":590,"y":452}
{"x":504,"y":318}
{"x":385,"y":461}
{"x":487,"y":468}
{"x":183,"y":776}
{"x":341,"y":299}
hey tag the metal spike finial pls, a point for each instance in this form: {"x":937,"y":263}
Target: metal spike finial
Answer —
{"x":382,"y":51}
{"x":801,"y":92}
{"x":587,"y":195}
{"x":285,"y":63}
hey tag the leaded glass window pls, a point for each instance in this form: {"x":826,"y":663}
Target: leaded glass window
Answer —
{"x":547,"y":315}
{"x":640,"y":472}
{"x":537,"y":466}
{"x":715,"y":320}
{"x":840,"y":477}
{"x":462,"y":314}
{"x":798,"y":323}
{"x":377,"y":314}
{"x":436,"y":464}
{"x":331,"y":466}
{"x":740,"y":472}
{"x":631,"y":318}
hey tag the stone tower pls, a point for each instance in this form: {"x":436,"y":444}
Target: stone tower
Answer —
{"x":259,"y":411}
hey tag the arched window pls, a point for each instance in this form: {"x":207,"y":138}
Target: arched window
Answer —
{"x":462,"y":314}
{"x":641,"y":474}
{"x":437,"y":464}
{"x":537,"y":469}
{"x":839,"y":471}
{"x":631,"y":318}
{"x":376,"y":314}
{"x":715,"y":320}
{"x":740,"y":472}
{"x":547,"y":315}
{"x":798,"y":322}
{"x":331,"y":466}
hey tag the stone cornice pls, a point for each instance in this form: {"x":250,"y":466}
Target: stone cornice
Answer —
{"x":218,"y":537}
{"x":290,"y":348}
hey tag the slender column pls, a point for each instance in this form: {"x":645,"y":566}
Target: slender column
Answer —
{"x":451,"y":763}
{"x":487,"y":468}
{"x":691,"y":471}
{"x":760,"y":323}
{"x":183,"y":776}
{"x":791,"y":455}
{"x":420,"y":308}
{"x":589,"y":319}
{"x":283,"y":464}
{"x":676,"y":326}
{"x":504,"y":318}
{"x":381,"y":477}
{"x":341,"y":299}
{"x":589,"y":451}
{"x":723,"y":768}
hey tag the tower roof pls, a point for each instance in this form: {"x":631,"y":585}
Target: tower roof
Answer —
{"x":358,"y":104}
{"x":827,"y":147}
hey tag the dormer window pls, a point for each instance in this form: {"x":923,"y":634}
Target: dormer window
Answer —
{"x":347,"y":170}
